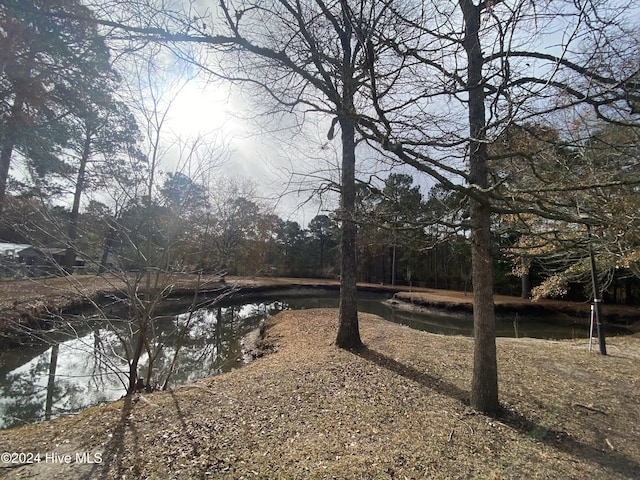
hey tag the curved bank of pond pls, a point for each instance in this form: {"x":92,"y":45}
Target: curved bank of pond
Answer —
{"x":71,"y":369}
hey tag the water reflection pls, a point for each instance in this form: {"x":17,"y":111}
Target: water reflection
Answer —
{"x":65,"y":378}
{"x":87,"y":365}
{"x":70,"y":374}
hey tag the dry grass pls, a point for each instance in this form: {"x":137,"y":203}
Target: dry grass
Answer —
{"x":396,"y":410}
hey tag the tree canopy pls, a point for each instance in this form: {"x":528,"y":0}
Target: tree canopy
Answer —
{"x":52,"y":57}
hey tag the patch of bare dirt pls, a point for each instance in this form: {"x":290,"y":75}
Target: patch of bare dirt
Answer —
{"x":398,"y":409}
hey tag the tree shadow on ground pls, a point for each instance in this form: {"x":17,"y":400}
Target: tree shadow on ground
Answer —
{"x":117,"y":446}
{"x":434,"y":383}
{"x":179,"y":411}
{"x":611,"y":460}
{"x":605,"y":457}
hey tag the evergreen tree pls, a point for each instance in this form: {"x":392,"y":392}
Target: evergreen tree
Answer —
{"x":52,"y":54}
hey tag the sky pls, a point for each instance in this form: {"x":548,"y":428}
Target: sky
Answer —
{"x":253,"y":148}
{"x":270,"y":157}
{"x":235,"y":139}
{"x":275,"y":159}
{"x":250,"y":150}
{"x":284,"y":160}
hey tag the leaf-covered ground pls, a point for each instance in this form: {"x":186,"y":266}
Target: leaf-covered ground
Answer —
{"x":396,"y":410}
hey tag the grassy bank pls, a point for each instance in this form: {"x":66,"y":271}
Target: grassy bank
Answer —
{"x":398,"y":409}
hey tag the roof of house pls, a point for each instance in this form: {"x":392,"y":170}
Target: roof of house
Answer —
{"x":7,"y":247}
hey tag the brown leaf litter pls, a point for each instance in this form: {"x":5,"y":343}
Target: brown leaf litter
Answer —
{"x":395,"y":410}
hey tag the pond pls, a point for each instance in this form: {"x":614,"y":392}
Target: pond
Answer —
{"x":84,"y":366}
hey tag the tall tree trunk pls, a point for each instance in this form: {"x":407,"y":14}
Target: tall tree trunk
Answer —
{"x":394,"y":257}
{"x":526,"y":286}
{"x":108,"y":246}
{"x":8,"y":142}
{"x":5,"y":164}
{"x":322,"y":254}
{"x":525,"y":265}
{"x":484,"y":388}
{"x":70,"y":254}
{"x":348,"y":329}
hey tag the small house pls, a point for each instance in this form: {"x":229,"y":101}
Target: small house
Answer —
{"x":46,"y":256}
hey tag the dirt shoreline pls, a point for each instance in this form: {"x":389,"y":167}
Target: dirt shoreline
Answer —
{"x":35,"y":303}
{"x":506,"y":306}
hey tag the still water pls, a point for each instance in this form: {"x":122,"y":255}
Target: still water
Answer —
{"x":86,"y":365}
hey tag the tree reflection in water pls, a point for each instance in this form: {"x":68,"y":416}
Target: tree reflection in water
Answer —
{"x":88,"y":366}
{"x":91,"y":365}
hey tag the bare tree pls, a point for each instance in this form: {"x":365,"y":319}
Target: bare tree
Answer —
{"x":312,"y":56}
{"x":309,"y":57}
{"x":151,"y":228}
{"x":475,"y":61}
